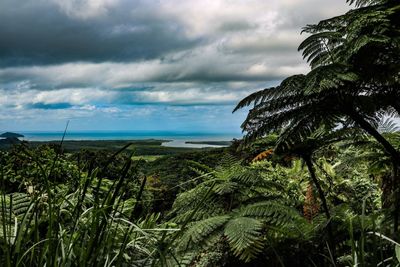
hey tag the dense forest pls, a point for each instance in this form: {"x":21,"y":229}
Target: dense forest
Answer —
{"x":313,"y":182}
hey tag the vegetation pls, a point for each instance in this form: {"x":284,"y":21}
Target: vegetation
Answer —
{"x":314,"y":182}
{"x":141,"y":147}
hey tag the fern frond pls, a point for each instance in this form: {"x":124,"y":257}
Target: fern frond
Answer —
{"x":200,"y":169}
{"x":263,"y":155}
{"x":199,"y":215}
{"x":361,"y":3}
{"x":17,"y":203}
{"x":229,"y":161}
{"x":255,"y":98}
{"x":244,"y":237}
{"x":226,"y":188}
{"x":199,"y":231}
{"x":272,"y":212}
{"x":246,"y":177}
{"x":20,"y":203}
{"x":388,"y":126}
{"x":191,"y":198}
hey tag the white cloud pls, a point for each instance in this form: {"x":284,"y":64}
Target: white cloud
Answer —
{"x":85,"y":107}
{"x":202,"y":18}
{"x":72,"y":96}
{"x":85,"y":9}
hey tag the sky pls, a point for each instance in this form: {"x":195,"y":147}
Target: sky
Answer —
{"x":148,"y":65}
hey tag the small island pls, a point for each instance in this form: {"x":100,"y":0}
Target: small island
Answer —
{"x":10,"y":138}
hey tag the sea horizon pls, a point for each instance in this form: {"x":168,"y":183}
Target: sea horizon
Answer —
{"x":172,"y":138}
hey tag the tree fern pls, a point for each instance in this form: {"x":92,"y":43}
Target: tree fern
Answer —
{"x":241,"y":203}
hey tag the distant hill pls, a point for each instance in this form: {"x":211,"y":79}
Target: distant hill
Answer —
{"x":10,"y":138}
{"x":11,"y":135}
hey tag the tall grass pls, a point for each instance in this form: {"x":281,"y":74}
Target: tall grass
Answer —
{"x":369,"y":247}
{"x":87,"y":222}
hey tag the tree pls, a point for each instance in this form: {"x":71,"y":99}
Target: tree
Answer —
{"x":364,"y":41}
{"x":339,"y":90}
{"x":306,"y":149}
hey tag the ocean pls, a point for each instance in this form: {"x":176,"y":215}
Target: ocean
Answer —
{"x":173,"y":139}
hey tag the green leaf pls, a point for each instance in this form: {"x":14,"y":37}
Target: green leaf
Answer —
{"x":244,"y":237}
{"x":199,"y":231}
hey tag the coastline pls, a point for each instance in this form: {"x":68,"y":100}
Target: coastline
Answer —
{"x":162,"y":138}
{"x":155,"y":147}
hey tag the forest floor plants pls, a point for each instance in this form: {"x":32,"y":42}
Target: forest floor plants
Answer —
{"x":86,"y":221}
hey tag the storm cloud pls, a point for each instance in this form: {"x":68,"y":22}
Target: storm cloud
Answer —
{"x":37,"y":32}
{"x":65,"y":56}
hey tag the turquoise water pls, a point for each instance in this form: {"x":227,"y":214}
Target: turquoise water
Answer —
{"x":177,"y":139}
{"x":137,"y":135}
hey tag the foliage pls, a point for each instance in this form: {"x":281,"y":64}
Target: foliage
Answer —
{"x":352,"y":86}
{"x":239,"y":212}
{"x":233,"y":212}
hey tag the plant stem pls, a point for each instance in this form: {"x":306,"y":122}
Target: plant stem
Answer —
{"x":310,"y":167}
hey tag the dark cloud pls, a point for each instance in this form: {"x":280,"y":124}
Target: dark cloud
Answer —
{"x":37,"y":32}
{"x":49,"y":106}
